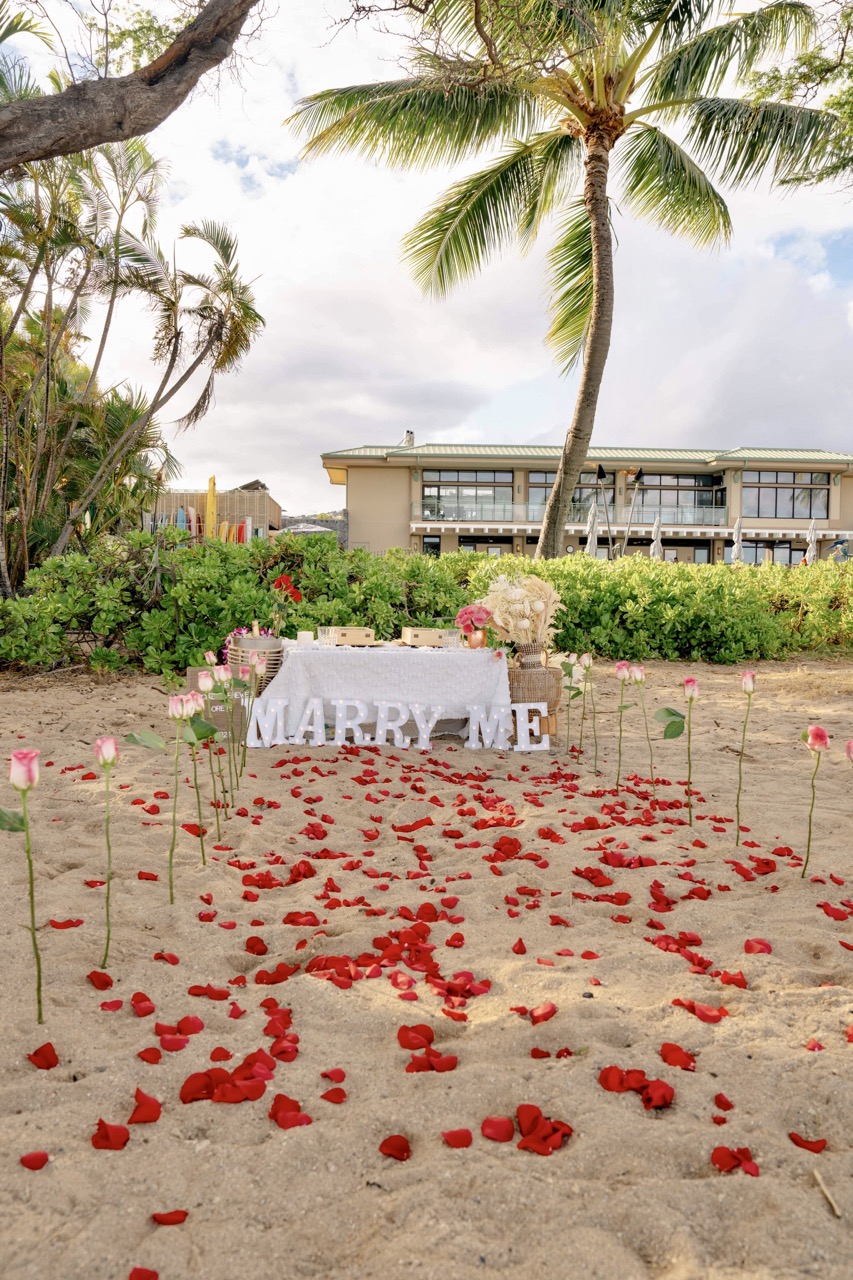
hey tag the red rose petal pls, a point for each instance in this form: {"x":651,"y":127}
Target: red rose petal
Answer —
{"x":816,"y":1144}
{"x":336,"y":1075}
{"x":44,"y":1057}
{"x":721,"y":1101}
{"x":498,"y":1128}
{"x":171,"y":1219}
{"x":334,"y":1095}
{"x":100,"y":981}
{"x":458,"y":1138}
{"x":396,"y":1146}
{"x":65,"y":924}
{"x":674,"y":1056}
{"x":110,"y":1137}
{"x":35,"y":1160}
{"x":143,"y":1273}
{"x":542,"y":1012}
{"x":757,"y":947}
{"x":147,"y":1109}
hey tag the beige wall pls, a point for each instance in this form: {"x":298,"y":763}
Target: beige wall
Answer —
{"x":378,"y":501}
{"x":845,"y":498}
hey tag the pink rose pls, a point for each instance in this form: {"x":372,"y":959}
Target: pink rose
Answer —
{"x":205,"y":681}
{"x":691,"y":689}
{"x":623,"y":670}
{"x":24,"y":769}
{"x":638,"y":675}
{"x":848,"y":750}
{"x":817,"y":739}
{"x":747,"y":681}
{"x":106,"y":751}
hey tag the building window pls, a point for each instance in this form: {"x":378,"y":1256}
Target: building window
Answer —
{"x":786,"y":495}
{"x":752,"y":552}
{"x":680,"y":491}
{"x":467,"y":495}
{"x":540,"y":484}
{"x":432,"y":545}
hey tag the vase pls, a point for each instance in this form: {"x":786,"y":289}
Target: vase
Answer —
{"x":476,"y":639}
{"x":531,"y":681}
{"x":268,"y":647}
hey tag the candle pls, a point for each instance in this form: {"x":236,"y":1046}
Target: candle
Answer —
{"x":304,"y":638}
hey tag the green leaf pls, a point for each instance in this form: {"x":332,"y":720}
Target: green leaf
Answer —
{"x":663,"y":185}
{"x":626,"y":706}
{"x":478,"y":215}
{"x":570,"y":268}
{"x":198,"y":730}
{"x":146,"y":738}
{"x":669,"y":713}
{"x":674,"y":729}
{"x":417,"y":122}
{"x":745,"y":141}
{"x":10,"y":821}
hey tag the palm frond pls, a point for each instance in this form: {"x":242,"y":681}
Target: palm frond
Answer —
{"x":701,"y":64}
{"x":20,"y":24}
{"x":220,"y":238}
{"x":570,"y":271}
{"x":481,"y":213}
{"x":416,"y":122}
{"x":744,"y":141}
{"x":199,"y":409}
{"x":663,"y":185}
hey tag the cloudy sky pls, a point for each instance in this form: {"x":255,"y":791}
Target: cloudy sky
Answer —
{"x":749,"y":345}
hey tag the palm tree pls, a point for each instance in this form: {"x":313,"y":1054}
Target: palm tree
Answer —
{"x":561,"y":86}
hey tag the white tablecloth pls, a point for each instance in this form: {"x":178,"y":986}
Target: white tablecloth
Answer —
{"x":453,"y":679}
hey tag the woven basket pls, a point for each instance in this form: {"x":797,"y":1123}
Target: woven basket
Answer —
{"x":534,"y":682}
{"x":241,"y":650}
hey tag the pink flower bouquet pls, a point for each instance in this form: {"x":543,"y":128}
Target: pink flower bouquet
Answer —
{"x":473,"y":617}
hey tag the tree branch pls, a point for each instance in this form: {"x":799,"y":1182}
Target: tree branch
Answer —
{"x":109,"y":110}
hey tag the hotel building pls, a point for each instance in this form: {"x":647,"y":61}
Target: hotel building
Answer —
{"x":447,"y":497}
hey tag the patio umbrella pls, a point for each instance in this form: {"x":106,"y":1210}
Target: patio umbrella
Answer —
{"x":737,"y":544}
{"x":592,"y":530}
{"x":811,"y":546}
{"x":656,"y":549}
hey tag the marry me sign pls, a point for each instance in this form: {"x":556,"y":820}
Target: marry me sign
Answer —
{"x":487,"y":727}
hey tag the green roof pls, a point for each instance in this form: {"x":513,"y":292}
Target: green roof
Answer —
{"x":551,"y":453}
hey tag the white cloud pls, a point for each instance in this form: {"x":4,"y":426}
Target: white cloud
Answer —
{"x":751,"y":345}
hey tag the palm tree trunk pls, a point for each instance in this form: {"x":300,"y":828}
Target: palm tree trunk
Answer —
{"x":597,"y":164}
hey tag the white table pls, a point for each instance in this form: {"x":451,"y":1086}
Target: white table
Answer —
{"x":453,"y":679}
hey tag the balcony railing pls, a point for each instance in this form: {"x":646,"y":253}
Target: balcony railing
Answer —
{"x":504,"y":513}
{"x":716,"y":517}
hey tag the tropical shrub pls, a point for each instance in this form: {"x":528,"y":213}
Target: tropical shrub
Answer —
{"x":161,"y":604}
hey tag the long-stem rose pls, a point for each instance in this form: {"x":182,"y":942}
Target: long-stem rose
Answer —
{"x":747,"y":682}
{"x":638,"y":676}
{"x":106,"y":754}
{"x":24,"y":775}
{"x":623,"y":670}
{"x":817,"y":740}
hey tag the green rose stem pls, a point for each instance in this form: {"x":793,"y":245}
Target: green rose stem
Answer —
{"x":817,"y":741}
{"x":223,"y":787}
{"x":174,"y":839}
{"x":584,"y":661}
{"x":594,"y":728}
{"x":638,"y":676}
{"x":748,"y":685}
{"x":209,"y":745}
{"x":253,"y":693}
{"x":106,"y":754}
{"x":691,"y":692}
{"x":622,"y":670}
{"x":29,"y":852}
{"x":194,"y":754}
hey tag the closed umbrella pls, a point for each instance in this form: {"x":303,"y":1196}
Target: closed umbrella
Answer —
{"x":592,"y":530}
{"x":811,"y":546}
{"x":737,"y":543}
{"x":656,"y":549}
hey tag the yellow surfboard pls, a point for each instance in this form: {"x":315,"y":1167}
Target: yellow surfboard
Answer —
{"x":223,"y":531}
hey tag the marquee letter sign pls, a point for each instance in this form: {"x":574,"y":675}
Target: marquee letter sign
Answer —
{"x":487,"y":726}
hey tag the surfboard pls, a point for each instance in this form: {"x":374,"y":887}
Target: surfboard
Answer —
{"x":223,"y":531}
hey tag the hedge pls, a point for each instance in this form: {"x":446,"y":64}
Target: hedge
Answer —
{"x":133,"y":602}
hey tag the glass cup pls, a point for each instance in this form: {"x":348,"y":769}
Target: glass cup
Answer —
{"x":451,"y":639}
{"x":327,"y":635}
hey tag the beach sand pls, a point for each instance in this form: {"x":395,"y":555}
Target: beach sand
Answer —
{"x":632,"y":1194}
